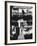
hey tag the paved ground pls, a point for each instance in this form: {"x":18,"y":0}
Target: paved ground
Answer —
{"x":21,"y":37}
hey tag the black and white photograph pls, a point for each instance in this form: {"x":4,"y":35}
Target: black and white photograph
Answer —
{"x":20,"y":23}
